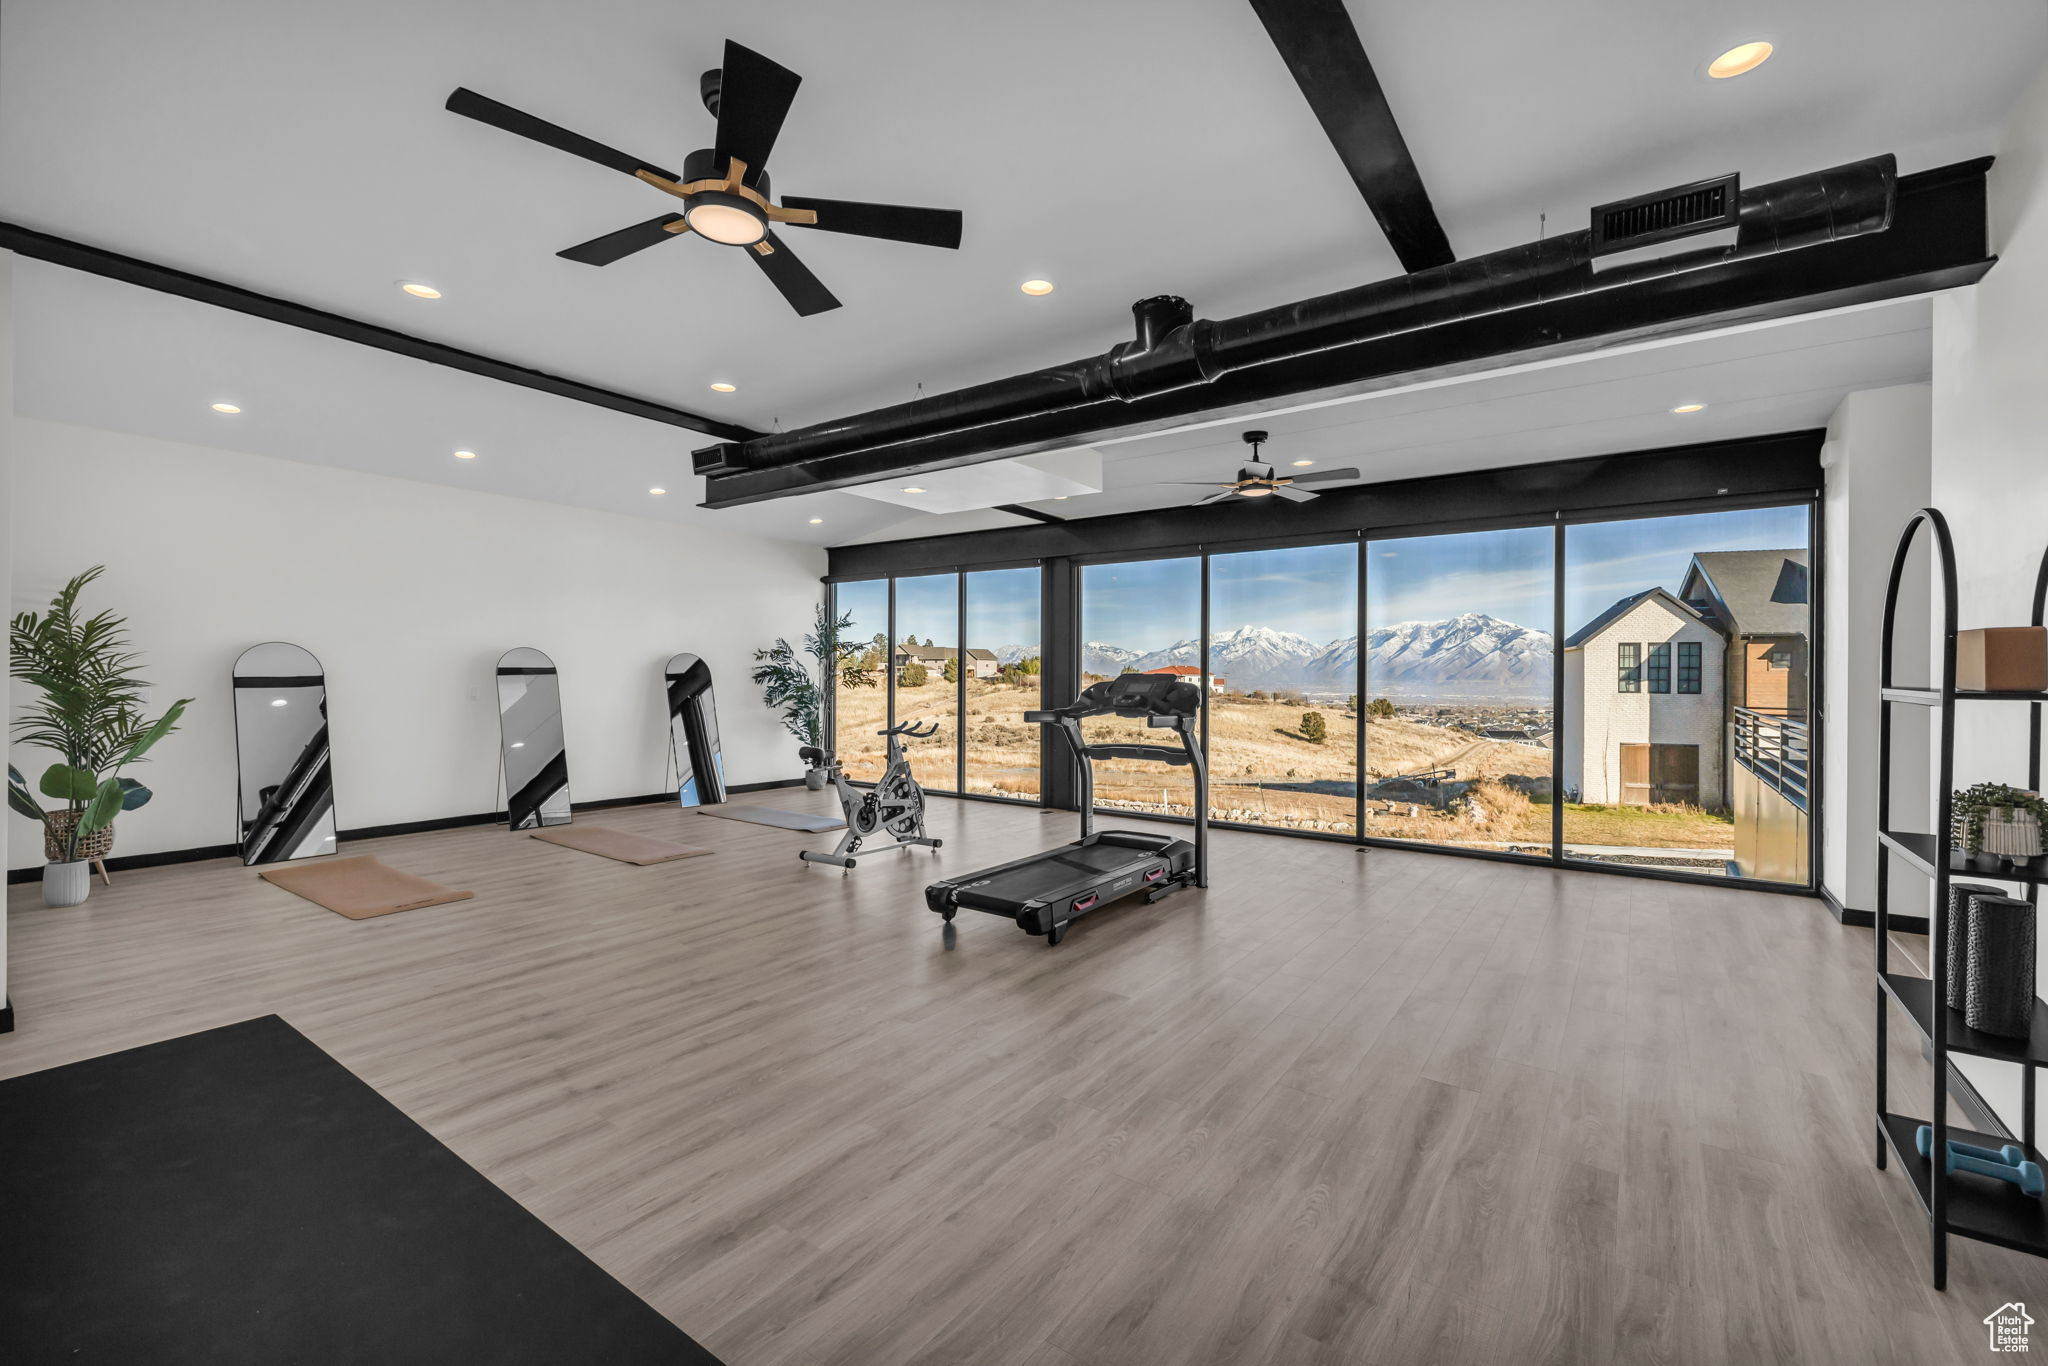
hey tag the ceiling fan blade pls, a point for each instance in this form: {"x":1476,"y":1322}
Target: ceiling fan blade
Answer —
{"x":754,"y":95}
{"x":484,"y":109}
{"x":1294,"y":495}
{"x":1325,"y":476}
{"x":895,"y":222}
{"x":805,"y":292}
{"x":613,"y":246}
{"x":1230,"y":492}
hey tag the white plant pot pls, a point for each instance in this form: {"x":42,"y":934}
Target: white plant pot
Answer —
{"x":66,"y":884}
{"x":814,"y":779}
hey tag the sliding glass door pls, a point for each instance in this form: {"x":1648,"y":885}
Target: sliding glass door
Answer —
{"x":925,"y":668}
{"x":858,"y":711}
{"x":1688,"y":692}
{"x":1283,"y":687}
{"x":1458,"y":689}
{"x":1000,"y":675}
{"x":1139,"y":617}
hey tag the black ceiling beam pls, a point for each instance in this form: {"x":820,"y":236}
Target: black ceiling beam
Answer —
{"x":1019,"y":510}
{"x":1937,"y":239}
{"x":1320,"y":45}
{"x":1737,"y":473}
{"x":61,"y":251}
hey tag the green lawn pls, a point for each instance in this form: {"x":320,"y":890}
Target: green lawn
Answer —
{"x":1686,"y":827}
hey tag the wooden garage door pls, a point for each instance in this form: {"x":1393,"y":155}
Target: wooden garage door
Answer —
{"x":1675,"y":774}
{"x":1635,"y":775}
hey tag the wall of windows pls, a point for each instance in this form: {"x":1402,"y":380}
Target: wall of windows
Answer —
{"x":961,"y":651}
{"x":1408,"y":688}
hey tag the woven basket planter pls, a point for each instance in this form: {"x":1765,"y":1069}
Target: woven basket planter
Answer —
{"x":57,"y":834}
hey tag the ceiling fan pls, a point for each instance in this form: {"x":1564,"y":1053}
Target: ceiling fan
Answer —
{"x":724,"y":188}
{"x":1256,"y":479}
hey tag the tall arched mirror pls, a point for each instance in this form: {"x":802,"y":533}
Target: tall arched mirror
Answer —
{"x":287,"y":785}
{"x":693,"y":732}
{"x":530,"y":722}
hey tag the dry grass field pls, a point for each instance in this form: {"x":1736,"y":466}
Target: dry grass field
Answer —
{"x":1264,"y":771}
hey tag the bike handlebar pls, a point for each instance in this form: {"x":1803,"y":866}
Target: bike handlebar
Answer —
{"x":909,"y":730}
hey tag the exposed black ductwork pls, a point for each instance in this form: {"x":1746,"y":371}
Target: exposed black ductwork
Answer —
{"x":1172,"y":351}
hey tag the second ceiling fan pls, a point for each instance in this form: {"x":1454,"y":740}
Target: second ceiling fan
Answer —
{"x":724,"y":188}
{"x":1257,"y":479}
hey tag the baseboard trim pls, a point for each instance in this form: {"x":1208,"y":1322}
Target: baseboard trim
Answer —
{"x":1849,"y":915}
{"x":123,"y":862}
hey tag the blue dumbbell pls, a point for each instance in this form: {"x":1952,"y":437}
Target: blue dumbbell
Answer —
{"x":2008,"y":1163}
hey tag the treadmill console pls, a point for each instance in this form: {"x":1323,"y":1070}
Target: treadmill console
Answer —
{"x":1145,"y":695}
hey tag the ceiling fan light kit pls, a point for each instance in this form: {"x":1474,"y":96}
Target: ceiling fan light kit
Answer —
{"x":724,"y":188}
{"x":1257,"y":479}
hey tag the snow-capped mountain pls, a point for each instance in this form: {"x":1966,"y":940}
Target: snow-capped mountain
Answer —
{"x":1470,"y":655}
{"x":1474,"y":655}
{"x":1245,"y":658}
{"x":1014,"y":654}
{"x":1107,"y":660}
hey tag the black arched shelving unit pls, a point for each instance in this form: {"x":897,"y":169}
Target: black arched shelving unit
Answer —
{"x":1966,"y":1205}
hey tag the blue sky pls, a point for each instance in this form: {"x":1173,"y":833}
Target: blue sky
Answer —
{"x":1149,"y":604}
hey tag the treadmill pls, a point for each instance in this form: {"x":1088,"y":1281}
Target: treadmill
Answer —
{"x":1046,"y":892}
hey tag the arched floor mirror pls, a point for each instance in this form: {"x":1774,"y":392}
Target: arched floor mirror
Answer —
{"x":286,"y":808}
{"x":693,"y":732}
{"x":530,"y":728}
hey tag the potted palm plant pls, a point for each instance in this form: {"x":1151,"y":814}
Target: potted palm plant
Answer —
{"x":791,"y":687}
{"x":89,"y":712}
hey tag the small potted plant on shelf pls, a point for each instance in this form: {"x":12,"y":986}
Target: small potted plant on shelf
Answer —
{"x":1994,"y":818}
{"x":791,"y":687}
{"x":89,"y":712}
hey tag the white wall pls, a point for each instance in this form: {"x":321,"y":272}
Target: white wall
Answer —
{"x":408,"y":593}
{"x":1990,"y":467}
{"x":1878,"y":473}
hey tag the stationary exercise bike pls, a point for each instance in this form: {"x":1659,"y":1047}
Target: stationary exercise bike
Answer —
{"x":895,"y":804}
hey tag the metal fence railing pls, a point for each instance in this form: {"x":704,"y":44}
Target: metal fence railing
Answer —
{"x":1777,"y":749}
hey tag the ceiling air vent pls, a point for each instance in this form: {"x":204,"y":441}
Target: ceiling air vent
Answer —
{"x":1706,"y":206}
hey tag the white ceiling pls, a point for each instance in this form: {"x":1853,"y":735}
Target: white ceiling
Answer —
{"x":302,"y":150}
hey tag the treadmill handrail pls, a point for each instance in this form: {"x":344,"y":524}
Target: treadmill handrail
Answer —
{"x":1159,"y":753}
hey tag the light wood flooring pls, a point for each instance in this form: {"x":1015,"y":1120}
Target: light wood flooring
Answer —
{"x":1340,"y":1108}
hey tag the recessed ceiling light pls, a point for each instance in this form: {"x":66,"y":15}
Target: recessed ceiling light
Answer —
{"x":1736,"y":60}
{"x":657,"y":491}
{"x":279,"y":702}
{"x":519,"y":744}
{"x":1036,"y":286}
{"x":1061,"y":497}
{"x":721,"y":387}
{"x":817,"y":521}
{"x":226,"y":408}
{"x":913,"y":489}
{"x":418,"y":290}
{"x":1689,"y":408}
{"x":465,"y":455}
{"x":1300,"y":463}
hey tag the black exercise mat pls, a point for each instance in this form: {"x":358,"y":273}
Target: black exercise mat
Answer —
{"x":239,"y":1196}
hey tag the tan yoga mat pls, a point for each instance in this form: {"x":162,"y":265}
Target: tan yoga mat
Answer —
{"x":623,"y":845}
{"x":361,"y":887}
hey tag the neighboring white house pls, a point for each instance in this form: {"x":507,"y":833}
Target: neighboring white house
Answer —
{"x":1190,"y":673}
{"x":1644,"y":690}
